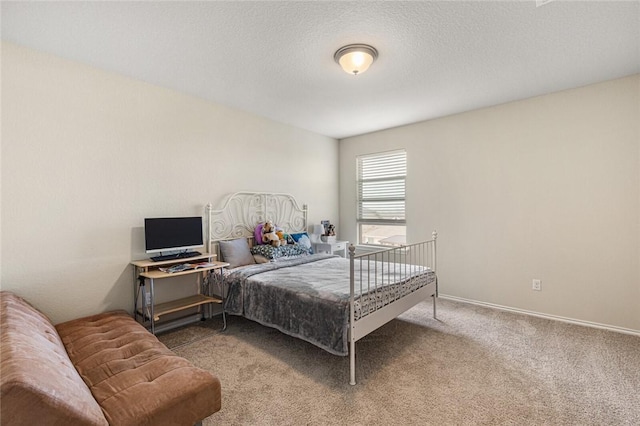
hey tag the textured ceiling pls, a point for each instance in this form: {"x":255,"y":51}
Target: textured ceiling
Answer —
{"x":275,"y":59}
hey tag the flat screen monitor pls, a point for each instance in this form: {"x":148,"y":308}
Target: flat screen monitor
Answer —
{"x":172,"y":233}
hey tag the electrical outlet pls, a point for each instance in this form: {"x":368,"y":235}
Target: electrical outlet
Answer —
{"x":537,"y":285}
{"x":147,"y":299}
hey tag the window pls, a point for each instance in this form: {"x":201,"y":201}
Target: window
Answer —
{"x":381,"y":198}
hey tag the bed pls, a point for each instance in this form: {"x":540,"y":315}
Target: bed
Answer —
{"x":326,"y":300}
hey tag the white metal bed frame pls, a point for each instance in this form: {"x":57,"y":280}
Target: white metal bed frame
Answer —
{"x":242,"y":211}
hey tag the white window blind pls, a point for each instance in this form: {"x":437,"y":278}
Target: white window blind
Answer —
{"x":381,"y":187}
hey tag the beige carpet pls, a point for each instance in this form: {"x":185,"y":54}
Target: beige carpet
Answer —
{"x":473,"y":366}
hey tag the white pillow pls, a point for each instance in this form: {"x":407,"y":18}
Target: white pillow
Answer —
{"x":305,"y":242}
{"x":260,"y":258}
{"x":236,"y":252}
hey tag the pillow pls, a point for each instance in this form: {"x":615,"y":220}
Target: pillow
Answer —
{"x":305,"y":242}
{"x":266,"y":251}
{"x":236,"y":252}
{"x":297,"y":236}
{"x":271,"y":253}
{"x":260,"y":258}
{"x":257,"y":233}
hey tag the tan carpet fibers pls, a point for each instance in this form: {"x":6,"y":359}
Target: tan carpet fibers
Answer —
{"x":472,"y":366}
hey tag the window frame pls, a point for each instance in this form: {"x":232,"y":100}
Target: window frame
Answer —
{"x":359,"y":199}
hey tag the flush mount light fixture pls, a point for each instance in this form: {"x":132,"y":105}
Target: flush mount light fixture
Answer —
{"x":356,"y":58}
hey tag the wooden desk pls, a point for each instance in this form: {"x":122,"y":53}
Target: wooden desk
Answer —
{"x":148,"y":270}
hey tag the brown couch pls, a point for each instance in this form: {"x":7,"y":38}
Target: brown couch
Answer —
{"x":98,"y":370}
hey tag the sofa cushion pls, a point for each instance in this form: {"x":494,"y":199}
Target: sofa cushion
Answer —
{"x":134,"y":377}
{"x":39,"y":384}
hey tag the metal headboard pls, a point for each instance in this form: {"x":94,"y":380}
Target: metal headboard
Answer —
{"x":242,"y":211}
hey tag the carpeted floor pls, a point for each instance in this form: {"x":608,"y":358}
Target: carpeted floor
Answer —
{"x":472,"y":366}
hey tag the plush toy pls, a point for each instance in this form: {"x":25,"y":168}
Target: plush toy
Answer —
{"x":281,"y":236}
{"x":331,"y":230}
{"x":269,"y":234}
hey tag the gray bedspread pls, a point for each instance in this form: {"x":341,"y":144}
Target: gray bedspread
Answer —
{"x":308,"y":298}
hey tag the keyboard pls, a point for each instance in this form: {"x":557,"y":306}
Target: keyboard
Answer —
{"x":183,"y":255}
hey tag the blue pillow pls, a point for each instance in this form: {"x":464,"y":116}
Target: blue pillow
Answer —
{"x":297,"y":236}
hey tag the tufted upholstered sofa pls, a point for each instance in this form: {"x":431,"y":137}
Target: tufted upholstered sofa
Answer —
{"x":99,"y":370}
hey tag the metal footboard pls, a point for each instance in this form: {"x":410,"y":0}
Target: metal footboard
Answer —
{"x":386,"y":283}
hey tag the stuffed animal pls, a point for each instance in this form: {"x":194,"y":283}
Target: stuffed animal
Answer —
{"x":281,"y":236}
{"x":331,"y":230}
{"x":269,"y":234}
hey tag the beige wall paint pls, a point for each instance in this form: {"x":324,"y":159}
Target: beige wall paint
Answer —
{"x":545,"y":188}
{"x":88,"y":154}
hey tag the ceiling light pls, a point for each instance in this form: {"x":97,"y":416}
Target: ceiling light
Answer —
{"x":356,"y":58}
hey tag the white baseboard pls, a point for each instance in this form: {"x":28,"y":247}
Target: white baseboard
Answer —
{"x":541,"y":315}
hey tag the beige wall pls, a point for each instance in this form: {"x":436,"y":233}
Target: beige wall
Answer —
{"x":543,"y":188}
{"x":88,"y":154}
